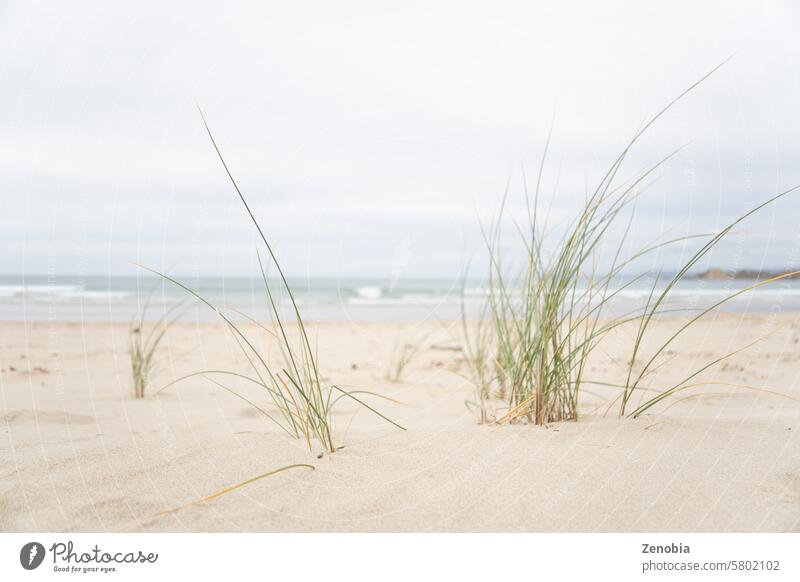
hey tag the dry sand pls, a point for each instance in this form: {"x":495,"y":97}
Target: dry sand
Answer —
{"x":78,"y":453}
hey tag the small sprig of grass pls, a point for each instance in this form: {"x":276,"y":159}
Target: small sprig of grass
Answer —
{"x":478,"y":351}
{"x":144,"y":340}
{"x":402,"y":355}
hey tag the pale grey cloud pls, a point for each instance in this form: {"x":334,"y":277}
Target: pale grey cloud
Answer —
{"x":356,"y":128}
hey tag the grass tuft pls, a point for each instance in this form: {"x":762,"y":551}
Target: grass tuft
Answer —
{"x":144,"y":340}
{"x":403,"y":353}
{"x":299,"y":402}
{"x":544,"y":318}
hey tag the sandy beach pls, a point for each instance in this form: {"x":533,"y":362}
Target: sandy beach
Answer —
{"x":79,"y":453}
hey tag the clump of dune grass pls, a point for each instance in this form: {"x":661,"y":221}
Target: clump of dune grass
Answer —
{"x":299,"y":401}
{"x":545,"y":317}
{"x":144,"y":339}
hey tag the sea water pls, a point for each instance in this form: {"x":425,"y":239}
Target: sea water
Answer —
{"x":113,"y":298}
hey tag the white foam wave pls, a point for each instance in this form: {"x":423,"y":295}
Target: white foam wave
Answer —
{"x":14,"y":290}
{"x":369,"y":292}
{"x":45,"y":292}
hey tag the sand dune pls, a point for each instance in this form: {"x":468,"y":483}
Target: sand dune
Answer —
{"x":80,"y":454}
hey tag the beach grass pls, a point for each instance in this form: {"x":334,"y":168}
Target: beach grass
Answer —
{"x":300,"y":402}
{"x":231,"y":488}
{"x":545,"y":316}
{"x":144,"y":340}
{"x":402,"y":355}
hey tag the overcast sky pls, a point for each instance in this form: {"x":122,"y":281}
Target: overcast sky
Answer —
{"x":370,"y":136}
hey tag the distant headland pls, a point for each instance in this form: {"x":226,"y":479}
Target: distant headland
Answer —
{"x":750,"y":274}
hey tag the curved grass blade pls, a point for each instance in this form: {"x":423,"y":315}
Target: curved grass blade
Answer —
{"x":222,"y":492}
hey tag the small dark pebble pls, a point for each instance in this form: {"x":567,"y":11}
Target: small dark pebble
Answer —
{"x":319,"y":456}
{"x":354,"y":366}
{"x":12,"y":369}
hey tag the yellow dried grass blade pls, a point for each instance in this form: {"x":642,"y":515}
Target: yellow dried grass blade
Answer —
{"x":222,"y":492}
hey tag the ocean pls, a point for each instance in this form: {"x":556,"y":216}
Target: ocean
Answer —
{"x":103,"y":298}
